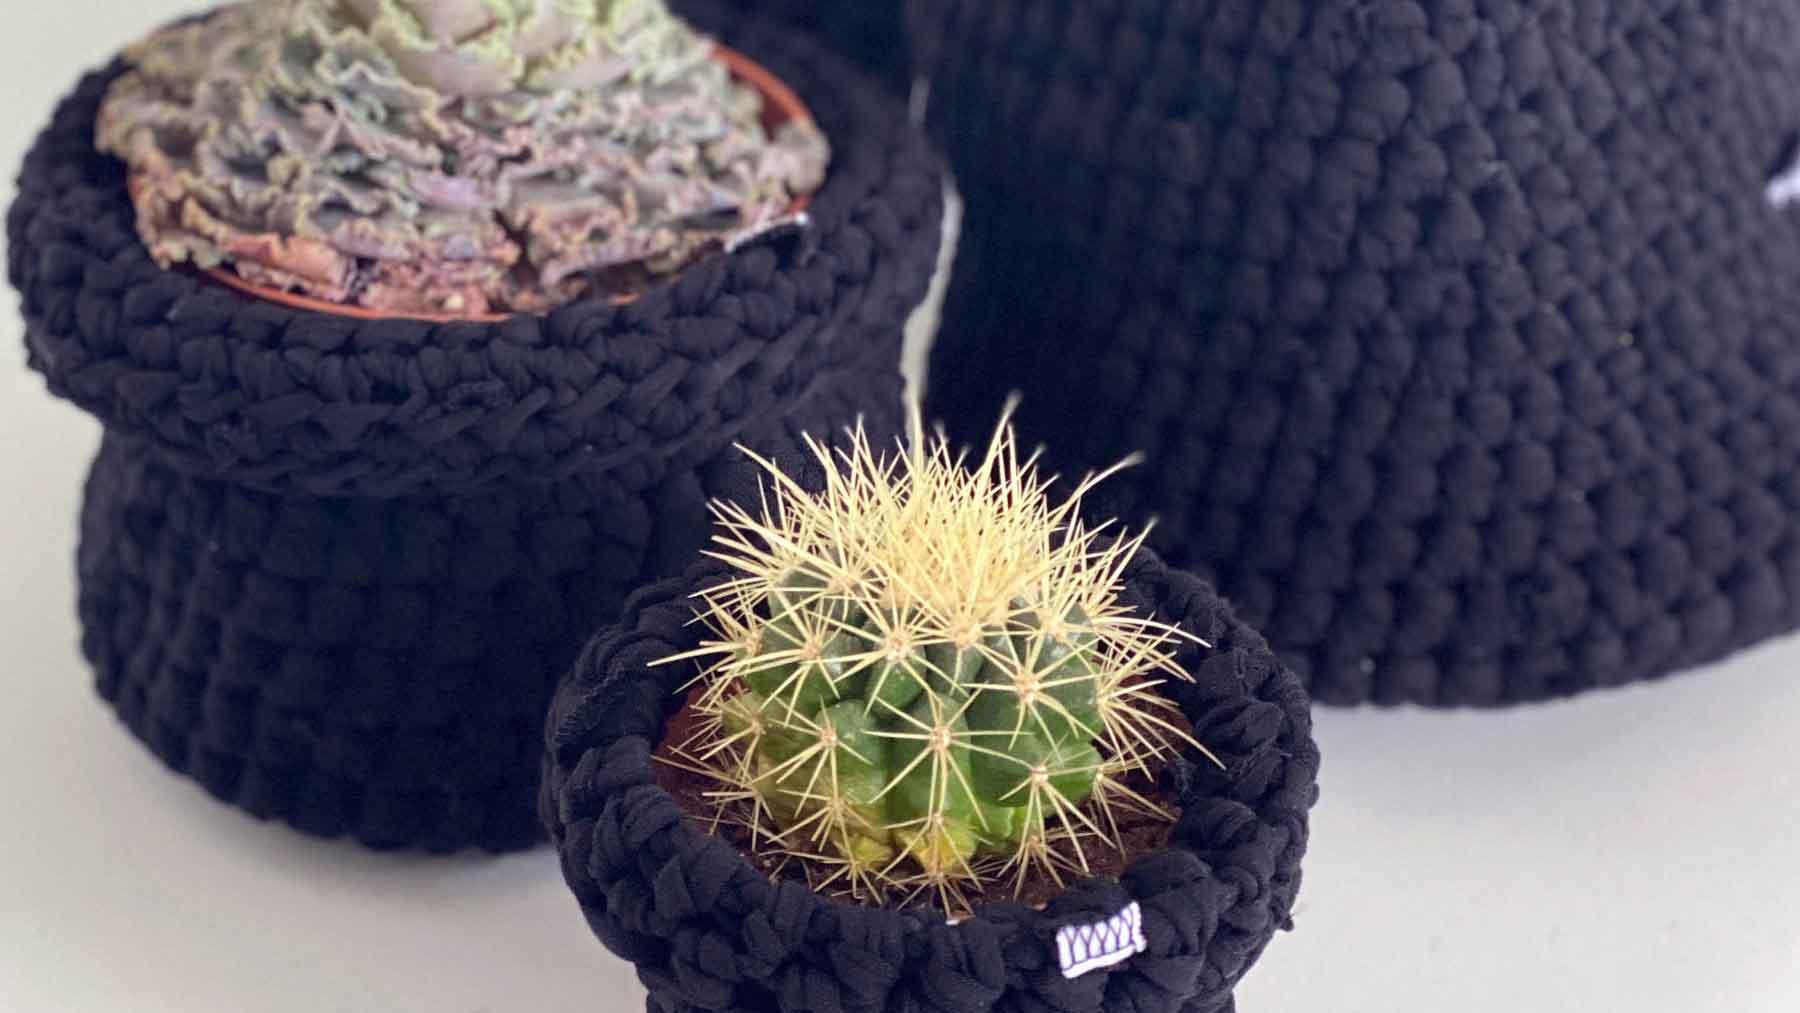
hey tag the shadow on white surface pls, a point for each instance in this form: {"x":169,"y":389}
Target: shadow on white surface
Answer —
{"x":1631,"y":850}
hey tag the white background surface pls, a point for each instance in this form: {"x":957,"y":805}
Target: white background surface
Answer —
{"x":1632,"y":851}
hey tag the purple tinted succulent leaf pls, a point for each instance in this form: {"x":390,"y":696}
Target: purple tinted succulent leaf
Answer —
{"x":458,"y":156}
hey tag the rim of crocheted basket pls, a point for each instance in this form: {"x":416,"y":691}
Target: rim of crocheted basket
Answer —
{"x":781,"y":106}
{"x":1226,"y":852}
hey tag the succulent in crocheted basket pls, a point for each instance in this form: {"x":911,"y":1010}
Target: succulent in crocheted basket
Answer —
{"x":923,"y":682}
{"x":447,"y":156}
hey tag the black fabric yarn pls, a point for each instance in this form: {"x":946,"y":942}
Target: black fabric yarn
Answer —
{"x":709,"y":932}
{"x":868,"y":32}
{"x":1460,"y":333}
{"x":332,"y":568}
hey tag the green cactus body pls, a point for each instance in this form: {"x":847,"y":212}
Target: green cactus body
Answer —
{"x":921,"y":689}
{"x":446,"y":156}
{"x":945,"y":757}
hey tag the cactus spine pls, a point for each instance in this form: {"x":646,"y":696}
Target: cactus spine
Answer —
{"x":922,"y":682}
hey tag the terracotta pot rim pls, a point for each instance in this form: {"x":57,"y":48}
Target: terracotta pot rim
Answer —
{"x":778,"y":99}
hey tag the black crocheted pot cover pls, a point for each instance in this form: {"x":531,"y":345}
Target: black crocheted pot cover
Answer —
{"x":1461,"y":334}
{"x":332,"y":569}
{"x":869,"y":32}
{"x":708,"y":931}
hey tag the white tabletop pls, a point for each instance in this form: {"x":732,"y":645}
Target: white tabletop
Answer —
{"x":1634,"y":851}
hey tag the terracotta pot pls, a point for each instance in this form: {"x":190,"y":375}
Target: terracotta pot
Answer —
{"x":780,"y":107}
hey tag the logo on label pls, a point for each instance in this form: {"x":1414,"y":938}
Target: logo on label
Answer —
{"x":1084,"y":948}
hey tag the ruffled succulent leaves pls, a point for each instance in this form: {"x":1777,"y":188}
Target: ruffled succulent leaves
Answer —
{"x":447,"y":156}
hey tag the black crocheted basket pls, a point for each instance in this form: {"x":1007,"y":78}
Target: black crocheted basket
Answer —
{"x":709,"y":932}
{"x":332,"y":569}
{"x":1461,"y":335}
{"x":868,"y":32}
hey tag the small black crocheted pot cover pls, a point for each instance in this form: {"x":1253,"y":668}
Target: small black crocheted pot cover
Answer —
{"x":709,"y":932}
{"x":868,"y":32}
{"x":1460,"y":336}
{"x":333,"y":568}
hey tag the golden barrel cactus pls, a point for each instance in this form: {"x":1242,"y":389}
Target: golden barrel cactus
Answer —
{"x":923,"y":681}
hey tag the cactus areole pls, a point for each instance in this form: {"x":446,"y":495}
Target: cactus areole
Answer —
{"x":448,"y":157}
{"x":922,"y":685}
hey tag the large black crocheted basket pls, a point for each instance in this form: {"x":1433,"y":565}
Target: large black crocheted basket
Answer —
{"x":1464,"y":337}
{"x":709,"y":932}
{"x":332,"y":569}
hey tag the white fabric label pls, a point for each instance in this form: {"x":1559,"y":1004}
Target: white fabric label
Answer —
{"x":1084,"y":948}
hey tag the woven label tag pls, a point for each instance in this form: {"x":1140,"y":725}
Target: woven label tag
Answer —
{"x":1084,"y":948}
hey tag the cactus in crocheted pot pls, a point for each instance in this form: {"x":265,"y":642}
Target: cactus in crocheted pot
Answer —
{"x":447,"y":156}
{"x":924,"y":682}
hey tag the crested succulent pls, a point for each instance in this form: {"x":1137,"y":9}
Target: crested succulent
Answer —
{"x":921,"y":681}
{"x":447,"y":156}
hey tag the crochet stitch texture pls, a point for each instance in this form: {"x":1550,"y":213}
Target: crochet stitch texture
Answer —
{"x":1459,"y":333}
{"x":332,"y":568}
{"x":869,"y":33}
